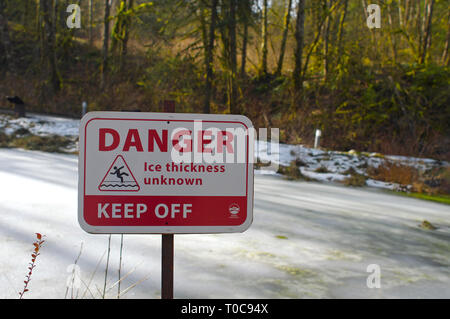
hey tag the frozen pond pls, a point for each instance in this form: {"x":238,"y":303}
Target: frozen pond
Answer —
{"x":308,"y":240}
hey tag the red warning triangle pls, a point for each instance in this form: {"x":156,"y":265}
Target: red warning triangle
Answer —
{"x":119,"y":178}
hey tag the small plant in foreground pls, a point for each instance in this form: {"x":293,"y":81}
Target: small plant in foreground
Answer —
{"x":37,"y":247}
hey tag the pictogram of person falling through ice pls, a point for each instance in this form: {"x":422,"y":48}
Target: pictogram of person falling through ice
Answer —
{"x":118,"y":173}
{"x":123,"y":180}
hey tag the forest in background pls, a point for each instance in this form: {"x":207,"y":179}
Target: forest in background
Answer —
{"x":298,"y":65}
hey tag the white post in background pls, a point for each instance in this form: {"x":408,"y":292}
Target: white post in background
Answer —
{"x":83,"y":108}
{"x":317,"y":139}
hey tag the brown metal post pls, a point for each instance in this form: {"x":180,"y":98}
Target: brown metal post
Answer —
{"x":167,"y":250}
{"x":167,"y":267}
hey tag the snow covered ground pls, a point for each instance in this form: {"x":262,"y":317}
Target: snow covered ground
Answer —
{"x":40,"y":124}
{"x":335,"y":165}
{"x":308,"y":240}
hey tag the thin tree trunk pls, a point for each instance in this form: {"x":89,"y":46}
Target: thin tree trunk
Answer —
{"x":326,"y":36}
{"x":299,"y":44}
{"x":445,"y":57}
{"x":126,"y":36}
{"x":407,"y":13}
{"x":232,"y":90}
{"x":287,"y":19}
{"x":390,"y":36}
{"x":91,"y":12}
{"x":341,"y":33}
{"x":5,"y":39}
{"x":48,"y":45}
{"x":427,"y":30}
{"x":105,"y":44}
{"x":209,"y":56}
{"x":247,"y":12}
{"x":264,"y":35}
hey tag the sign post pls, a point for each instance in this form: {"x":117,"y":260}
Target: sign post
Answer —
{"x":167,"y":243}
{"x":165,"y":173}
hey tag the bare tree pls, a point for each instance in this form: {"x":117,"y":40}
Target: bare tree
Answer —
{"x":287,"y":19}
{"x":445,"y":58}
{"x":104,"y":68}
{"x":5,"y":38}
{"x":246,"y":12}
{"x":299,"y":44}
{"x":426,"y":41}
{"x":209,"y":55}
{"x":264,"y":36}
{"x":48,"y":44}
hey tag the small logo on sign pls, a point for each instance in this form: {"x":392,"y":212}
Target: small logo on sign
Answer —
{"x":119,"y":177}
{"x":234,"y":210}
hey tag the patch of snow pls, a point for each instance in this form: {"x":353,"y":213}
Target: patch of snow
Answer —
{"x":41,"y":125}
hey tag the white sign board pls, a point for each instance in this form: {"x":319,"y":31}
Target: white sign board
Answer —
{"x":165,"y":173}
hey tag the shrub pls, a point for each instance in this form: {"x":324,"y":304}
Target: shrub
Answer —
{"x":394,"y":173}
{"x":355,"y":180}
{"x":37,"y":247}
{"x":292,"y":172}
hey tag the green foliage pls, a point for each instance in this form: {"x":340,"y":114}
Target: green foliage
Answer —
{"x":375,"y":96}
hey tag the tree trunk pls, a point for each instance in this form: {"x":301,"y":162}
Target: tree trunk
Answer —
{"x":209,"y":56}
{"x":91,"y":12}
{"x":48,"y":45}
{"x":126,"y":31}
{"x":105,"y":44}
{"x":247,"y":11}
{"x":391,"y":37}
{"x":287,"y":19}
{"x":341,"y":33}
{"x":5,"y":39}
{"x":264,"y":35}
{"x":428,"y":14}
{"x":326,"y":37}
{"x":232,"y":86}
{"x":299,"y":43}
{"x":445,"y":57}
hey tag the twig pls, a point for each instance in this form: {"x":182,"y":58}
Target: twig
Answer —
{"x":107,"y":265}
{"x":134,"y":285}
{"x":92,"y":275}
{"x":120,"y":265}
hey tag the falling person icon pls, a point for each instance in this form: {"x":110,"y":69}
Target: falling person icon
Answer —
{"x":118,"y":173}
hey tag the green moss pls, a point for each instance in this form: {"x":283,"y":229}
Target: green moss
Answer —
{"x":295,"y":271}
{"x":427,"y":225}
{"x":443,"y":199}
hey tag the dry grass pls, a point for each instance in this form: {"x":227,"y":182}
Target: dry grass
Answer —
{"x":394,"y":173}
{"x":357,"y":180}
{"x":292,"y":172}
{"x":434,"y":181}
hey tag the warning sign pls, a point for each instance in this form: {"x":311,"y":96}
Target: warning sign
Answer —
{"x":119,"y":177}
{"x":165,"y":173}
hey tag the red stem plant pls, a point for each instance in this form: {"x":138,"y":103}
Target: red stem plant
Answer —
{"x":37,"y":246}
